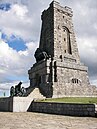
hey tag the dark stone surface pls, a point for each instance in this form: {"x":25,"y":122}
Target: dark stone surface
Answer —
{"x":17,"y":90}
{"x":70,"y":109}
{"x":40,"y":55}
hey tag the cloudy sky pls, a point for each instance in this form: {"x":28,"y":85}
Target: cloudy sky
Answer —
{"x":20,"y":25}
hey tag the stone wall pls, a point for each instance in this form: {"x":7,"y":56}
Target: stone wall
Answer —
{"x":15,"y":104}
{"x":64,"y":36}
{"x":63,"y":108}
{"x":47,"y":31}
{"x":6,"y":104}
{"x":24,"y":104}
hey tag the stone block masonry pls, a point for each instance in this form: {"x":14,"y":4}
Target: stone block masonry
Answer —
{"x":58,"y":71}
{"x":26,"y":104}
{"x":6,"y":104}
{"x":70,"y":109}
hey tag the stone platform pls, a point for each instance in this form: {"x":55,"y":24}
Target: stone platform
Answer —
{"x":27,"y":104}
{"x":19,"y":104}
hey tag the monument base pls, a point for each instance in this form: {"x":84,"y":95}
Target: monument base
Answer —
{"x":19,"y":104}
{"x":15,"y":104}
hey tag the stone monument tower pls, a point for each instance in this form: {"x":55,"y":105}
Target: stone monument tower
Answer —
{"x":58,"y":71}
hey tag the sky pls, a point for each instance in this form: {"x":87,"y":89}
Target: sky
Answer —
{"x":20,"y":26}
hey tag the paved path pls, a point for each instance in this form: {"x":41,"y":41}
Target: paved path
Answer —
{"x":44,"y":121}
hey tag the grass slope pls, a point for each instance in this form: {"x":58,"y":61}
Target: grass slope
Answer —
{"x":73,"y":100}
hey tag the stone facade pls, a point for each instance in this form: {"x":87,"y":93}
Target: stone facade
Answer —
{"x":58,"y":71}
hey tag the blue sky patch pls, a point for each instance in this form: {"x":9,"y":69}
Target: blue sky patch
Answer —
{"x":5,"y":6}
{"x":14,"y":42}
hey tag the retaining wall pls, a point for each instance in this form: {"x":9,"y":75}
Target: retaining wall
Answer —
{"x":63,"y":108}
{"x":15,"y":104}
{"x":23,"y":104}
{"x":6,"y":104}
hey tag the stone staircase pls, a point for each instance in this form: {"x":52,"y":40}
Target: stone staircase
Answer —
{"x":34,"y":93}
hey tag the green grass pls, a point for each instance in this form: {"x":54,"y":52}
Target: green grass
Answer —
{"x":73,"y":100}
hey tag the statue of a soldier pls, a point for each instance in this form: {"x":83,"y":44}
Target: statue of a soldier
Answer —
{"x":18,"y":90}
{"x":12,"y":91}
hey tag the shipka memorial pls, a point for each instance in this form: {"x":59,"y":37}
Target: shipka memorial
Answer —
{"x":58,"y":71}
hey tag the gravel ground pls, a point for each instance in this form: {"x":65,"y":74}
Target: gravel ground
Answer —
{"x":31,"y":120}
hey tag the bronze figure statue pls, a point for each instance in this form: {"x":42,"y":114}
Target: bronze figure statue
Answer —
{"x":18,"y":90}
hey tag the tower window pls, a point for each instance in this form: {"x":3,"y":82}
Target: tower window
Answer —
{"x":72,"y":80}
{"x":76,"y":81}
{"x":64,"y":39}
{"x":68,"y":39}
{"x":58,"y":10}
{"x":64,"y":30}
{"x":63,"y":16}
{"x":60,"y":56}
{"x":58,"y":27}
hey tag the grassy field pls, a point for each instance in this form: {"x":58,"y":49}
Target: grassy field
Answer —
{"x":73,"y":100}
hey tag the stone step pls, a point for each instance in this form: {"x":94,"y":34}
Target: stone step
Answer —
{"x":36,"y":94}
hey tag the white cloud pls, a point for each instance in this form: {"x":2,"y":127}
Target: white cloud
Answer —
{"x":13,"y":63}
{"x":88,"y":54}
{"x":16,"y":21}
{"x":19,"y":11}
